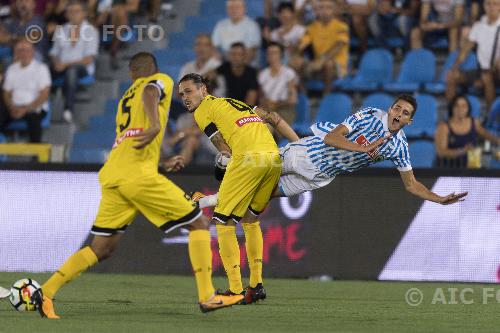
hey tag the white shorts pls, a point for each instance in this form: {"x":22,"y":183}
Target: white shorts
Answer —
{"x":298,"y":173}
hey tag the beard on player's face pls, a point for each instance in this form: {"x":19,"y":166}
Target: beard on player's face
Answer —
{"x":191,"y":103}
{"x":191,"y":95}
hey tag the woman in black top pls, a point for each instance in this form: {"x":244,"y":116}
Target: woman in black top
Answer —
{"x":459,"y":134}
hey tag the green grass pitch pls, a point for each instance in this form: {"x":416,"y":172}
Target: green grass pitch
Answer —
{"x":153,"y":303}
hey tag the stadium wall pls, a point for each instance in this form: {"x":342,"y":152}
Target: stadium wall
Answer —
{"x":361,"y":226}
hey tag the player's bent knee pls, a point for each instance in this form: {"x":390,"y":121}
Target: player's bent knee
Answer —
{"x":249,"y":217}
{"x":201,"y":223}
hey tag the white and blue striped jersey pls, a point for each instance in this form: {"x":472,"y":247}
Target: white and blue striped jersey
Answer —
{"x":365,"y":127}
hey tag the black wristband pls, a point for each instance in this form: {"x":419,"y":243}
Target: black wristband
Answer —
{"x":219,"y":173}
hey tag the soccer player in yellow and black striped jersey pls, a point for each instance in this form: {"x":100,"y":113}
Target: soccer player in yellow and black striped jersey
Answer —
{"x":240,"y":131}
{"x":130,"y":184}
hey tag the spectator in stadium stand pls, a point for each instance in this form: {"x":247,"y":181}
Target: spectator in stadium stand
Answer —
{"x":328,"y":36}
{"x":115,"y":15}
{"x":73,"y":53}
{"x":121,"y":11}
{"x":189,"y":142}
{"x":278,"y":85}
{"x":289,"y":33}
{"x":439,"y":19}
{"x":21,"y":24}
{"x":360,"y":11}
{"x":485,"y":37}
{"x":474,"y":11}
{"x":26,"y":90}
{"x":306,"y":10}
{"x":393,"y":18}
{"x":206,"y":58}
{"x":459,"y":134}
{"x":55,"y":14}
{"x":234,"y":78}
{"x":237,"y":28}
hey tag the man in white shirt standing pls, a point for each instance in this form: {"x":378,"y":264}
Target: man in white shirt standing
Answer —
{"x":76,"y":45}
{"x":26,"y":90}
{"x":237,"y":28}
{"x":485,"y":36}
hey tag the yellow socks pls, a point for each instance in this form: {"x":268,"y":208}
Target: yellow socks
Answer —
{"x":74,"y":266}
{"x":229,"y":250}
{"x":255,"y":246}
{"x":201,"y":260}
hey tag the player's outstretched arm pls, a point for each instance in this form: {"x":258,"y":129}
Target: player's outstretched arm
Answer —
{"x":415,"y":187}
{"x":150,"y":98}
{"x":337,"y":139}
{"x":281,"y":126}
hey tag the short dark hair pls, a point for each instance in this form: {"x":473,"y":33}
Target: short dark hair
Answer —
{"x":238,"y":44}
{"x":143,"y":62}
{"x":196,"y":78}
{"x":279,"y":45}
{"x":407,"y":98}
{"x":284,"y":5}
{"x":454,"y":101}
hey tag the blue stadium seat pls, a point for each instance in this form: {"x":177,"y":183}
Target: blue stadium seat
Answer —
{"x":174,"y":56}
{"x":88,"y":155}
{"x":282,"y":143}
{"x":124,"y":87}
{"x":425,"y":120}
{"x":378,"y":100}
{"x":172,"y":70}
{"x":255,"y":9}
{"x":201,"y":24}
{"x":21,"y":125}
{"x":493,"y":120}
{"x":182,"y":40}
{"x":375,"y":69}
{"x":422,"y":154}
{"x":334,"y":108}
{"x":84,"y":81}
{"x":5,"y":52}
{"x":111,"y":105}
{"x":3,"y":139}
{"x":475,"y":106}
{"x":95,"y":138}
{"x":418,"y":68}
{"x":303,"y":119}
{"x":314,"y":85}
{"x":213,"y":7}
{"x":439,"y":86}
{"x":104,"y":122}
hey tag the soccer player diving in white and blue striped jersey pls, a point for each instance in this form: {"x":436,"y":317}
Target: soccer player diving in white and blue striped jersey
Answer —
{"x":367,"y":137}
